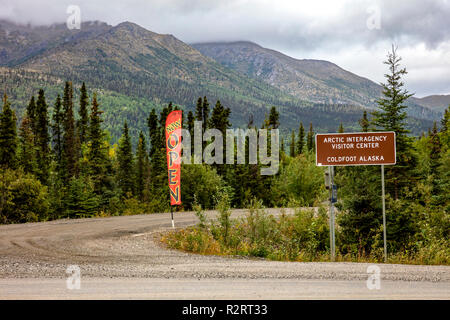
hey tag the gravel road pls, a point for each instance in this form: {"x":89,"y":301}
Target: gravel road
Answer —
{"x":119,"y":257}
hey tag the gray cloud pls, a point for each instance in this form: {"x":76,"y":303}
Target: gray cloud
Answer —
{"x":330,"y":29}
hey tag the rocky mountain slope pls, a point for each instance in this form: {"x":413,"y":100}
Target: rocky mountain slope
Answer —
{"x":436,"y":102}
{"x":318,"y":81}
{"x":134,"y":70}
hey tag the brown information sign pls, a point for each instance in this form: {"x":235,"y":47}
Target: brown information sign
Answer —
{"x":351,"y":149}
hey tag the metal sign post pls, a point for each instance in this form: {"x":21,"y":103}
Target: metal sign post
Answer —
{"x":332,"y":239}
{"x":384,"y":213}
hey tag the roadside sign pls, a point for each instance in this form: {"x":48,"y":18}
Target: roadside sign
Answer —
{"x":354,"y":149}
{"x":173,"y":147}
{"x":360,"y":148}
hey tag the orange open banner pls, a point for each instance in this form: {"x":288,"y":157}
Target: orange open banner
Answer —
{"x":173,"y":146}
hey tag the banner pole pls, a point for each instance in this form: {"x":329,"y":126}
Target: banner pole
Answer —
{"x":171,"y":215}
{"x":384,"y":213}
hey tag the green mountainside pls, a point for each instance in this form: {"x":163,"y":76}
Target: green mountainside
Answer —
{"x":317,"y":81}
{"x":134,"y":70}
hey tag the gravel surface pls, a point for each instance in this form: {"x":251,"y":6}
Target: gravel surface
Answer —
{"x":129,"y":247}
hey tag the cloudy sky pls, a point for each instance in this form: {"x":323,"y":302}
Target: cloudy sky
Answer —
{"x":356,"y":35}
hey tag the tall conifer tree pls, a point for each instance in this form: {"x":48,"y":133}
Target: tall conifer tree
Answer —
{"x":83,"y":122}
{"x":301,"y":139}
{"x":97,"y":156}
{"x":274,"y":118}
{"x":69,"y":143}
{"x":27,"y":149}
{"x":205,"y":113}
{"x":31,"y":113}
{"x":310,"y":139}
{"x":364,"y":122}
{"x":42,"y":139}
{"x":199,"y":110}
{"x":57,"y":130}
{"x":142,"y":166}
{"x":292,"y":146}
{"x":435,"y":157}
{"x":392,"y":117}
{"x":125,"y":159}
{"x":8,"y":136}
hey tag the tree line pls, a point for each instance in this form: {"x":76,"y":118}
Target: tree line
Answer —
{"x":62,"y":165}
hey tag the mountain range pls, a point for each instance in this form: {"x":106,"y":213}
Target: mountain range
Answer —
{"x":317,"y":81}
{"x":133,"y":70}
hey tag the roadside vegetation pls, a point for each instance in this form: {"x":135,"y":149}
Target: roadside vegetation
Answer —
{"x":302,"y":237}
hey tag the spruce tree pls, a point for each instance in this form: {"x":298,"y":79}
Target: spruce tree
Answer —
{"x":310,"y":139}
{"x":83,"y":122}
{"x":57,"y":131}
{"x":341,"y":128}
{"x":158,"y":164}
{"x":364,"y":122}
{"x":157,"y":159}
{"x":69,"y":142}
{"x":435,"y":157}
{"x":31,"y":112}
{"x":292,"y":146}
{"x":301,"y":139}
{"x":8,"y":136}
{"x":446,"y":120}
{"x":220,"y":120}
{"x":392,"y":117}
{"x":97,"y":155}
{"x":442,"y":199}
{"x":205,"y":112}
{"x":80,"y":201}
{"x":27,"y":149}
{"x":401,"y":178}
{"x":274,"y":118}
{"x":125,"y":159}
{"x":445,"y":129}
{"x":155,"y":141}
{"x":142,"y":166}
{"x":190,"y":123}
{"x":42,"y":139}
{"x":199,"y":110}
{"x":154,"y":132}
{"x":190,"y":127}
{"x":163,"y":117}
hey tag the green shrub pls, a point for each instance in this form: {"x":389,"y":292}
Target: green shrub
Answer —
{"x":299,"y":182}
{"x":80,"y":200}
{"x":202,"y":185}
{"x":22,"y":198}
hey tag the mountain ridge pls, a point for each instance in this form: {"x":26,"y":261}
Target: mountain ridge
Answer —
{"x":319,"y":81}
{"x":284,"y":71}
{"x":436,"y":101}
{"x":135,"y":62}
